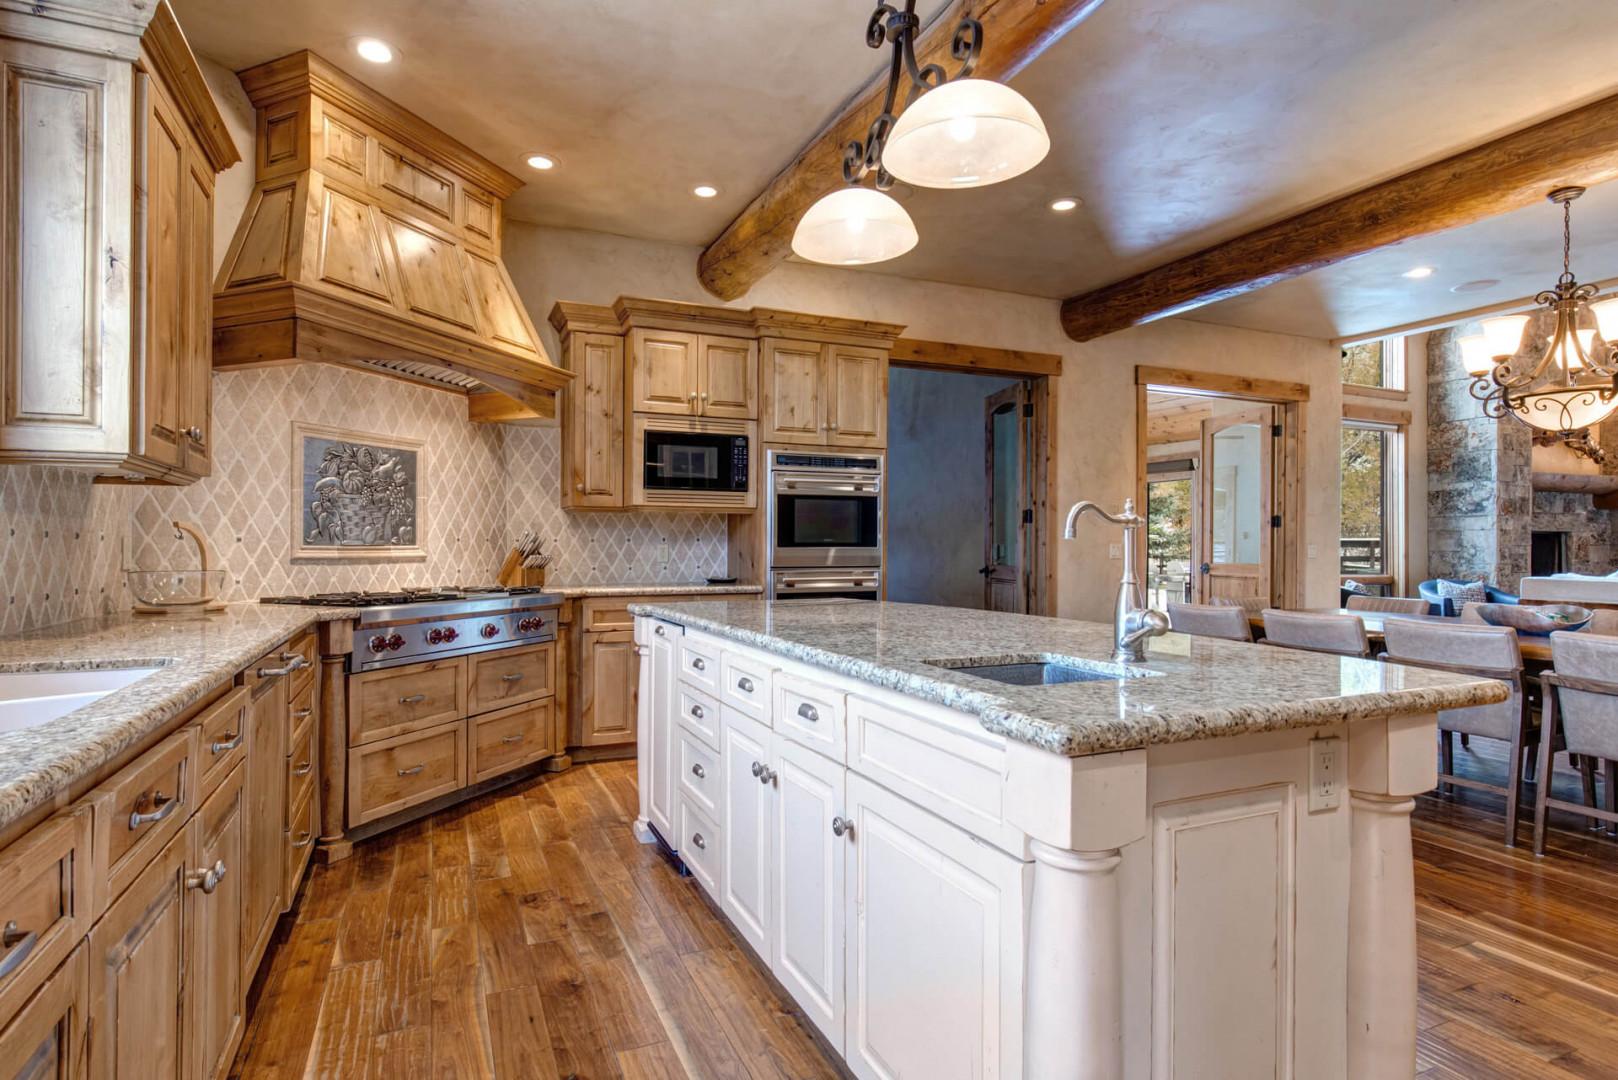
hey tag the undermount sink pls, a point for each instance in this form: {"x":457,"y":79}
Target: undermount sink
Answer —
{"x":31,"y":698}
{"x":1042,"y":670}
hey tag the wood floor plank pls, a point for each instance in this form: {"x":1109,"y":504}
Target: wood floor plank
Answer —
{"x":770,"y":1035}
{"x":655,"y":1062}
{"x":282,"y":1025}
{"x":347,"y":1024}
{"x":460,"y":1038}
{"x":406,"y":1054}
{"x":578,"y":1034}
{"x":520,"y":1036}
{"x":503,"y":957}
{"x":617,"y":994}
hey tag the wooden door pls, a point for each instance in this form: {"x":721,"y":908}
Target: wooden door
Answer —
{"x":139,"y":998}
{"x":746,"y":806}
{"x":856,"y":396}
{"x":607,"y":701}
{"x":663,"y":372}
{"x":1236,"y":506}
{"x":727,"y":377}
{"x":216,"y":1020}
{"x":164,"y":199}
{"x":807,"y":894}
{"x":934,"y":945}
{"x":266,"y":814}
{"x":45,"y":1039}
{"x":1006,"y":498}
{"x":793,"y":377}
{"x":659,"y":712}
{"x":593,"y":439}
{"x":196,"y":380}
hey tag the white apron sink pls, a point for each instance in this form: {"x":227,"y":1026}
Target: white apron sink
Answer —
{"x":31,"y":698}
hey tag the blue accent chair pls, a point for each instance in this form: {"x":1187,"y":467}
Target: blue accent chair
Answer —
{"x":1439,"y":605}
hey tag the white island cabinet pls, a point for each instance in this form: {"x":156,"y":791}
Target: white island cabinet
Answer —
{"x":1195,"y":867}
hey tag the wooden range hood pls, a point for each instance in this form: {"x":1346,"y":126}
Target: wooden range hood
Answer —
{"x":372,"y":239}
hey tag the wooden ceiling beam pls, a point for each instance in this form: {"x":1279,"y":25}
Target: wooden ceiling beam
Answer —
{"x":1505,"y":174}
{"x":1015,"y":32}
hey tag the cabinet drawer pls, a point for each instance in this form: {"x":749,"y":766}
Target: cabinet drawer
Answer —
{"x":299,"y":846}
{"x":505,"y":740}
{"x":301,"y":711}
{"x":388,"y":776}
{"x":699,"y":774}
{"x":511,"y":676}
{"x":745,"y":685}
{"x":607,"y":614}
{"x":699,"y":663}
{"x":699,"y":846}
{"x":383,"y":704}
{"x":223,"y":739}
{"x":139,"y":810}
{"x":46,"y":1039}
{"x":699,"y":714}
{"x":810,"y":714}
{"x":45,"y":891}
{"x":306,"y":646}
{"x":300,"y":763}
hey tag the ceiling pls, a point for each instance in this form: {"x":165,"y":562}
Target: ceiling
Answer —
{"x":1179,"y":123}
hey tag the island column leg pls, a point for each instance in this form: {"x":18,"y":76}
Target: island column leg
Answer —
{"x":1390,"y":759}
{"x":1078,"y":814}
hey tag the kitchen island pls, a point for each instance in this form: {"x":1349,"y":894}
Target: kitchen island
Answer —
{"x":959,"y":866}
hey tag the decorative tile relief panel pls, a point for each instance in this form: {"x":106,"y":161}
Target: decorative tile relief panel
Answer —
{"x":61,"y":542}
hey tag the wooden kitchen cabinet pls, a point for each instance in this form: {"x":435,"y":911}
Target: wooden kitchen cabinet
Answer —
{"x":218,"y":989}
{"x":608,"y":688}
{"x":856,"y":396}
{"x":727,"y":377}
{"x":45,"y":1041}
{"x":688,"y":374}
{"x":819,"y":394}
{"x":593,"y":421}
{"x":793,"y":387}
{"x":107,"y":364}
{"x":266,"y":811}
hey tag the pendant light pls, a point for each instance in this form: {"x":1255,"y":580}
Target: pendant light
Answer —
{"x":965,"y":134}
{"x":854,"y":226}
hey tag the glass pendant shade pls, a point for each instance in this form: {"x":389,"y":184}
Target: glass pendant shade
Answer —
{"x":1567,"y":408}
{"x":1475,"y":354}
{"x":1569,"y":357}
{"x":1504,"y":334}
{"x":854,"y":226}
{"x":1606,"y":313}
{"x":966,"y":133}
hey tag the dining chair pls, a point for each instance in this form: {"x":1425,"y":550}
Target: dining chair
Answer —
{"x":1211,"y":620}
{"x":1316,"y":632}
{"x":1489,"y":652}
{"x":1604,"y":621}
{"x":1398,"y":605}
{"x":1581,"y":706}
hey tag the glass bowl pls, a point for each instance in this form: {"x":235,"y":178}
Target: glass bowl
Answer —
{"x":174,"y":588}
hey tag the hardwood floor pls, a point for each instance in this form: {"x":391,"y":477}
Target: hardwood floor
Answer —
{"x":527,"y":935}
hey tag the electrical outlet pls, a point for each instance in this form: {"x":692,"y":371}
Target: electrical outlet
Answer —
{"x":1325,"y":774}
{"x":1115,"y":551}
{"x":665,"y":554}
{"x":1313,"y":551}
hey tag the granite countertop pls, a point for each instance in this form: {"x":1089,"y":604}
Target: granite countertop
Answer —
{"x":1204,"y":688}
{"x":194,"y":654}
{"x":573,"y":592}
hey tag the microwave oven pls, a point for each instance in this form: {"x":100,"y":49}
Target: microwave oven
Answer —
{"x":689,"y":459}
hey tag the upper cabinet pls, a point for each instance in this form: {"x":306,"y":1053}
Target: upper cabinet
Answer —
{"x":112,"y":142}
{"x":677,"y":373}
{"x":825,"y":394}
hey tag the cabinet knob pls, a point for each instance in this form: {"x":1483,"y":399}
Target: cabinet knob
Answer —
{"x":194,"y":434}
{"x":840,"y":827}
{"x":702,"y":774}
{"x":698,"y":664}
{"x":809,"y":712}
{"x":578,"y":485}
{"x":767,"y":775}
{"x":745,"y":685}
{"x":696,"y":838}
{"x":831,"y":427}
{"x":696,"y":712}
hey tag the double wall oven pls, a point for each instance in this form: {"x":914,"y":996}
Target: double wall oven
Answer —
{"x":825,"y":525}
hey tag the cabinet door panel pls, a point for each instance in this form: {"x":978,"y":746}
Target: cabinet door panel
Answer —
{"x":607,"y":705}
{"x":593,"y":442}
{"x":662,"y":739}
{"x":663,"y":372}
{"x":807,"y":893}
{"x":746,"y":805}
{"x":793,"y":409}
{"x":216,"y":1020}
{"x":266,"y":811}
{"x":197,"y":375}
{"x":728,"y":377}
{"x":45,"y":1040}
{"x":857,"y":396}
{"x":166,"y":203}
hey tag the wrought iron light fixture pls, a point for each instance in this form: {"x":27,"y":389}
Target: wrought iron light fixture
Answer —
{"x":955,"y":132}
{"x":1574,"y":383}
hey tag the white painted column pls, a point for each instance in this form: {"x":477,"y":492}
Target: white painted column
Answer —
{"x":1073,"y":1023}
{"x":1389,"y":760}
{"x":644,"y":733}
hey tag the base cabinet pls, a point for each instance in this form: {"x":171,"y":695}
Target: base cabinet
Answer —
{"x":214,"y":914}
{"x":607,"y":708}
{"x":660,"y":746}
{"x":747,"y":804}
{"x":266,"y":810}
{"x":806,"y":954}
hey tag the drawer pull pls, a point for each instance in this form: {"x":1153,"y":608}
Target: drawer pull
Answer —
{"x":232,"y":741}
{"x":303,"y":839}
{"x":412,"y":771}
{"x":165,"y":804}
{"x":702,"y":774}
{"x":18,"y":945}
{"x":413,"y":699}
{"x":303,"y":769}
{"x":509,"y":739}
{"x":698,"y":664}
{"x":696,"y":838}
{"x":294,"y":662}
{"x":696,"y":712}
{"x":745,"y":685}
{"x":513,"y":677}
{"x":207,"y":880}
{"x":302,"y":714}
{"x":842,"y":827}
{"x":766,"y":775}
{"x":809,"y":712}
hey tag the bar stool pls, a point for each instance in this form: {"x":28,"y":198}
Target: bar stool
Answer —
{"x":1210,"y":620}
{"x":1315,"y":631}
{"x":1399,"y":605}
{"x":1581,"y":706}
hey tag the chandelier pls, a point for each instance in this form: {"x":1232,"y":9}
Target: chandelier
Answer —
{"x":1574,"y":382}
{"x":955,"y":132}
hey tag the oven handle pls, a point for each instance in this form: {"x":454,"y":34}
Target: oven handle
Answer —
{"x":845,"y":583}
{"x":816,"y":487}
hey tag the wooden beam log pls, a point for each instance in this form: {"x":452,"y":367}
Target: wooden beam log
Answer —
{"x":1505,"y":174}
{"x":1015,"y":32}
{"x":984,"y":359}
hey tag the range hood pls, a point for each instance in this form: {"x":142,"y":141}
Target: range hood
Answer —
{"x":372,"y":239}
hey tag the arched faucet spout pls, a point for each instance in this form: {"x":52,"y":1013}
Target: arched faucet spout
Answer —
{"x":1132,"y":621}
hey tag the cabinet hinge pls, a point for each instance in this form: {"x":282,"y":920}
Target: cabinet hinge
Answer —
{"x":1275,"y":521}
{"x":1027,"y":517}
{"x":1028,"y":409}
{"x":1275,"y":430}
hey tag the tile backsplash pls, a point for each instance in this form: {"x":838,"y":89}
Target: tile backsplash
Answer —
{"x":61,"y":539}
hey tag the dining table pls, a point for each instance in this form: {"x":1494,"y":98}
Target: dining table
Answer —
{"x":1535,"y":648}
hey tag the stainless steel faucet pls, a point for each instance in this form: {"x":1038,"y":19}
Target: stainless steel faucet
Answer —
{"x":1132,"y":621}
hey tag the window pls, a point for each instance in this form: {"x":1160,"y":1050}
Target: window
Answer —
{"x":1370,"y":538}
{"x":1170,"y":517}
{"x":1378,"y":364}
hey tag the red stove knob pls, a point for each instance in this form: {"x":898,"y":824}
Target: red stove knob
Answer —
{"x":378,"y":643}
{"x":528,"y":625}
{"x":395,"y":642}
{"x":435,"y":636}
{"x":490,"y":630}
{"x":450,"y":633}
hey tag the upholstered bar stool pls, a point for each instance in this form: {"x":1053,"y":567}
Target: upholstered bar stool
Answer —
{"x":1486,"y":651}
{"x":1399,"y":605}
{"x":1316,"y":632}
{"x":1581,"y":706}
{"x":1210,"y":620}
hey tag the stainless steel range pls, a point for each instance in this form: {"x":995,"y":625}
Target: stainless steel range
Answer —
{"x":423,"y":624}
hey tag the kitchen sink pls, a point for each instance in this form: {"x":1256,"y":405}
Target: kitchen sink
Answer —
{"x":31,"y":698}
{"x":1042,"y":670}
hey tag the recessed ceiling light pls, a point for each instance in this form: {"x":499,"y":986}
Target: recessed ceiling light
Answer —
{"x":373,"y":49}
{"x":1477,"y":285}
{"x":1062,"y":206}
{"x":704,"y":191}
{"x":1419,"y":272}
{"x":541,"y":162}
